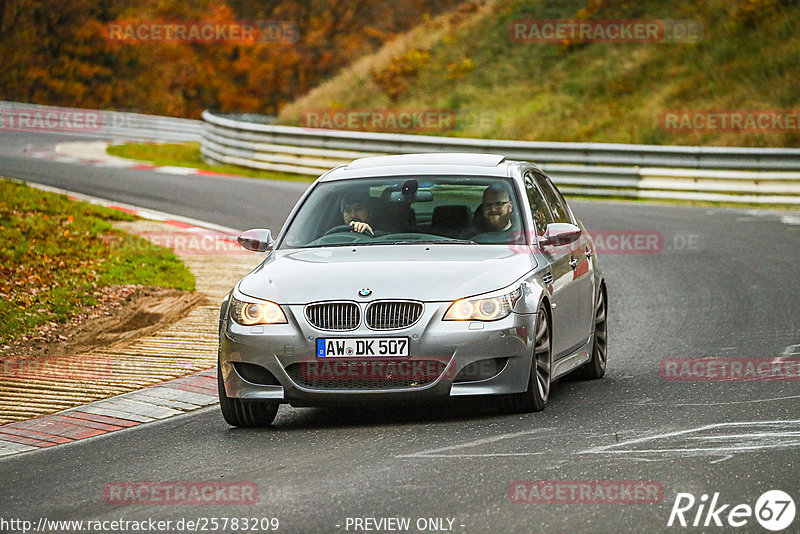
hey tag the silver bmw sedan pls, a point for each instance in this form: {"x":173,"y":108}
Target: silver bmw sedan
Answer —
{"x":413,"y":278}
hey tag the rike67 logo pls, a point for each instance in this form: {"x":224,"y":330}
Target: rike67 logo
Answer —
{"x":774,"y":510}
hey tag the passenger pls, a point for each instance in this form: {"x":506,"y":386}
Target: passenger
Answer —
{"x":493,"y":221}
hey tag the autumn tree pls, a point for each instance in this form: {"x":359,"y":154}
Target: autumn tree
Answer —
{"x":58,"y":52}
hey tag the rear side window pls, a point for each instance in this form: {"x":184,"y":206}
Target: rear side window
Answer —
{"x":554,"y":199}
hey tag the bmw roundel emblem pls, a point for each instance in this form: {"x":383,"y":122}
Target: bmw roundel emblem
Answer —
{"x":365,"y":292}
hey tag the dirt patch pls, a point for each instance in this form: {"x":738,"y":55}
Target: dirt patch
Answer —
{"x":122,"y":314}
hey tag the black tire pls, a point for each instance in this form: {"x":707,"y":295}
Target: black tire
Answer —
{"x":596,"y":367}
{"x":540,"y":377}
{"x":244,"y":413}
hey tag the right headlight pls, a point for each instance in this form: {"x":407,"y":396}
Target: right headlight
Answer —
{"x":256,"y":312}
{"x":483,"y":308}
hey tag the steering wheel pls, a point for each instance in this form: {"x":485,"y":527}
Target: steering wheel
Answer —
{"x":344,"y":228}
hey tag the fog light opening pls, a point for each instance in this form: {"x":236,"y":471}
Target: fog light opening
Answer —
{"x":255,"y":374}
{"x":481,"y":370}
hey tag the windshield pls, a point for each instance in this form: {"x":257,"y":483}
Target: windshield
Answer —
{"x":479,"y":210}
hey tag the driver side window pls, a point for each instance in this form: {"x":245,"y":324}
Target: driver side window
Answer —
{"x":539,"y":210}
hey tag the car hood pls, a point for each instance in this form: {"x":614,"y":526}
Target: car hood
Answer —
{"x":419,"y":272}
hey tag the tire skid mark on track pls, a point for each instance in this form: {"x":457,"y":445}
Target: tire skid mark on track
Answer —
{"x":720,"y":441}
{"x":745,"y":436}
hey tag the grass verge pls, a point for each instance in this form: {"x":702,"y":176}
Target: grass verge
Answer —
{"x":188,"y":155}
{"x":467,"y":63}
{"x":56,"y":253}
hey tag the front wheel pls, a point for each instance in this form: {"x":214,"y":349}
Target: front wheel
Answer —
{"x":535,"y":398}
{"x":237,"y":412}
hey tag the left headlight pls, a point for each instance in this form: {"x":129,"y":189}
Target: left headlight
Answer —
{"x":256,"y":312}
{"x":483,"y":308}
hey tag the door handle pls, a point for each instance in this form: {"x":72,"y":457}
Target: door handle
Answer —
{"x":573,"y":263}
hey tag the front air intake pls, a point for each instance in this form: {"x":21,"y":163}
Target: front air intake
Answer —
{"x":334,"y":315}
{"x":393,"y":314}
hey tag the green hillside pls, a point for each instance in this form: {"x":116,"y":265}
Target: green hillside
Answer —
{"x":466,"y":62}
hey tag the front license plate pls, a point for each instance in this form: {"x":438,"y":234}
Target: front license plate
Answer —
{"x":357,"y":347}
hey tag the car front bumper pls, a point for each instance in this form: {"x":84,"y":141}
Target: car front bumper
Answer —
{"x":498,"y":353}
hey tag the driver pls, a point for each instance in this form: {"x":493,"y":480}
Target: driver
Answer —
{"x":356,"y":213}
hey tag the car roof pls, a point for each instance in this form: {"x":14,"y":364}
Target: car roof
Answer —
{"x":439,"y":158}
{"x":461,"y":163}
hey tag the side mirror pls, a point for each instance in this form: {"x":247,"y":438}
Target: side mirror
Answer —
{"x":257,"y":240}
{"x":559,"y":234}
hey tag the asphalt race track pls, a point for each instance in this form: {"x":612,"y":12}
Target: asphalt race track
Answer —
{"x":724,"y":285}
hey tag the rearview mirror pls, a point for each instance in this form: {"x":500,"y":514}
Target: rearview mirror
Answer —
{"x":416,"y":196}
{"x":559,"y":234}
{"x":257,"y":240}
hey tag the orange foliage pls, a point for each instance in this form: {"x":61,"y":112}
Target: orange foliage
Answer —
{"x":58,"y":52}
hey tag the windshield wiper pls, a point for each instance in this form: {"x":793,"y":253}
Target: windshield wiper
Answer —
{"x":402,"y":242}
{"x":433,"y":242}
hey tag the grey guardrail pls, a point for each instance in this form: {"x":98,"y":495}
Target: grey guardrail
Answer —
{"x":763,"y":175}
{"x":117,"y":124}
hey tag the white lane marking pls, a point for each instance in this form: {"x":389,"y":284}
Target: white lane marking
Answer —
{"x":789,"y":435}
{"x":637,"y":459}
{"x":168,"y":169}
{"x":99,"y":410}
{"x":786,"y":435}
{"x":166,"y":403}
{"x":12,"y":447}
{"x":791,"y":350}
{"x":137,"y":407}
{"x":716,"y":450}
{"x":735,"y":402}
{"x":179,"y":395}
{"x":723,"y":437}
{"x":724,"y":458}
{"x":786,"y":218}
{"x":489,"y":455}
{"x":434,"y":453}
